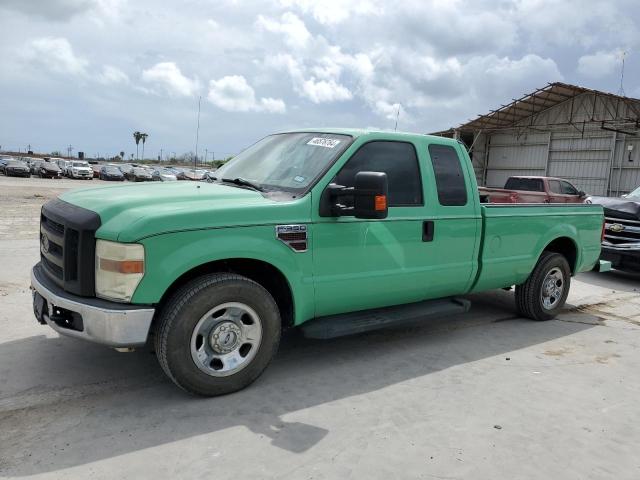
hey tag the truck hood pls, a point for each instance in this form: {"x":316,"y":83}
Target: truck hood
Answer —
{"x":618,"y":207}
{"x":129,"y":213}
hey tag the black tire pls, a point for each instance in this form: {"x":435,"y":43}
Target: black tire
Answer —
{"x":181,"y":315}
{"x":529,"y":301}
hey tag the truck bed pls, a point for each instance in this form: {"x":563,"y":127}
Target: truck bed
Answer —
{"x":501,"y":195}
{"x":513,"y":237}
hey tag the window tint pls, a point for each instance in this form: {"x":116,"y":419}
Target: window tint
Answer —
{"x":398,"y":160}
{"x":526,"y":184}
{"x":554,"y":186}
{"x":452,"y":190}
{"x":568,"y":189}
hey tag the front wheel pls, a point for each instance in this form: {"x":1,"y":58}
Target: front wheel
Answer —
{"x":544,"y":293}
{"x":217,"y":334}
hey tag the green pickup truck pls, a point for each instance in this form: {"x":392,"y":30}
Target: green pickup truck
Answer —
{"x":332,"y":231}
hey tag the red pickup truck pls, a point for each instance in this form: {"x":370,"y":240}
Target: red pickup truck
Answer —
{"x":533,"y":190}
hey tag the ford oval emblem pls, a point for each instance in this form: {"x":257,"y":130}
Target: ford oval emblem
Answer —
{"x":44,"y":243}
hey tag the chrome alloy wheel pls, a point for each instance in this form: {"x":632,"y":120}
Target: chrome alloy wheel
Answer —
{"x":226,"y":339}
{"x":552,"y":288}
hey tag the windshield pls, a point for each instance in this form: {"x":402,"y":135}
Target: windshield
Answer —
{"x":112,"y":170}
{"x":288,"y":161}
{"x":80,"y":164}
{"x":635,"y":193}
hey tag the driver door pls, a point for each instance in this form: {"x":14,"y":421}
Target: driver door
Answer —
{"x":360,"y":263}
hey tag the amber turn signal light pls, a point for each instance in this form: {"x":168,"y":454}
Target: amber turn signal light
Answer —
{"x":122,"y":266}
{"x":381,"y":202}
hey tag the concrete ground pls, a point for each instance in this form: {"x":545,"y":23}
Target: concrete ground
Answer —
{"x":485,"y":395}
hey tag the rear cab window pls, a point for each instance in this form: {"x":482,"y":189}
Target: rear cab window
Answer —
{"x":449,"y":176}
{"x":525,"y":184}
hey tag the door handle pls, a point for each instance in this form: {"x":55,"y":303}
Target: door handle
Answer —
{"x":427,"y":230}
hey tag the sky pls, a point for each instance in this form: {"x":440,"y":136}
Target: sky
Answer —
{"x":88,"y":73}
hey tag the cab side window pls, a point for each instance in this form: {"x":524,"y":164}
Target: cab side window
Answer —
{"x":447,"y":168}
{"x":398,"y":160}
{"x":568,"y":189}
{"x":554,"y":186}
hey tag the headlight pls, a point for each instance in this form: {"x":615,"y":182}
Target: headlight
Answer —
{"x":119,"y":269}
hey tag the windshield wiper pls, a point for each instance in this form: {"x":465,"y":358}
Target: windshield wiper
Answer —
{"x":243,"y":182}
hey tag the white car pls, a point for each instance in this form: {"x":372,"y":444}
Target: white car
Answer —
{"x":80,"y":169}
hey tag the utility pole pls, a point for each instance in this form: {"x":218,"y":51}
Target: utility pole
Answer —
{"x":160,"y":154}
{"x":195,"y":160}
{"x":69,"y":149}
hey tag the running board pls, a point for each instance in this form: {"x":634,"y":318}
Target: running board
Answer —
{"x":341,"y":325}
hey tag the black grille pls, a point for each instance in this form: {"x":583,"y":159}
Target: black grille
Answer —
{"x":67,"y":246}
{"x":620,"y":231}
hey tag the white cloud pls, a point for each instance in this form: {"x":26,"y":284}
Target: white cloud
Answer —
{"x":325,"y":91}
{"x":111,"y":75}
{"x":599,"y":64}
{"x":233,"y":94}
{"x":330,"y":12}
{"x":167,"y":76}
{"x":56,"y":55}
{"x":294,"y":30}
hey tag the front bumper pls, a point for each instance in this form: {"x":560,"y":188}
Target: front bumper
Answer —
{"x":622,"y":258}
{"x":93,"y":319}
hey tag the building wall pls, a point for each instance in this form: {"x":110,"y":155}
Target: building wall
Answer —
{"x":565,"y":141}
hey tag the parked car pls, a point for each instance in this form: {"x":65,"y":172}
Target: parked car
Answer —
{"x":63,"y":164}
{"x":218,"y":272}
{"x":3,"y":162}
{"x":210,"y":177}
{"x":49,"y":170}
{"x":34,"y":166}
{"x":192,"y":174}
{"x":127,"y":170}
{"x":621,"y":242}
{"x":111,"y":173}
{"x":80,"y":169}
{"x":163,"y":175}
{"x":96,"y":169}
{"x":139,"y":174}
{"x":533,"y":189}
{"x":16,"y":168}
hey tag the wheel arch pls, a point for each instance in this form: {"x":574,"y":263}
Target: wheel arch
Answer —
{"x":264,"y":273}
{"x":565,"y":246}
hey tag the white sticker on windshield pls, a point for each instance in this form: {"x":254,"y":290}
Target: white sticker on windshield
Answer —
{"x":298,"y":179}
{"x":323,"y":142}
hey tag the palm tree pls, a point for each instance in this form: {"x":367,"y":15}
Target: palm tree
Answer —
{"x":137,"y":137}
{"x":143,"y":136}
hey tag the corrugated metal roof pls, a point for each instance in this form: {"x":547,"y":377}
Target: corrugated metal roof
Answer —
{"x":533,"y":103}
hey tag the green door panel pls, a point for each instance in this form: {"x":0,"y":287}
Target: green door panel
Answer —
{"x":366,"y":264}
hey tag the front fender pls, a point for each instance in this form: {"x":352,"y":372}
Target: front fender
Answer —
{"x":171,"y":255}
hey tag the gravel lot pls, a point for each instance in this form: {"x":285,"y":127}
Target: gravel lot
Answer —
{"x":479,"y":396}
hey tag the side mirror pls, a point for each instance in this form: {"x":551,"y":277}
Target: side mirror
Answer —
{"x":368,"y":197}
{"x":581,"y":194}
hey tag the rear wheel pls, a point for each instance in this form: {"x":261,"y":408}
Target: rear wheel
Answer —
{"x":544,"y":293}
{"x":217,"y":334}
